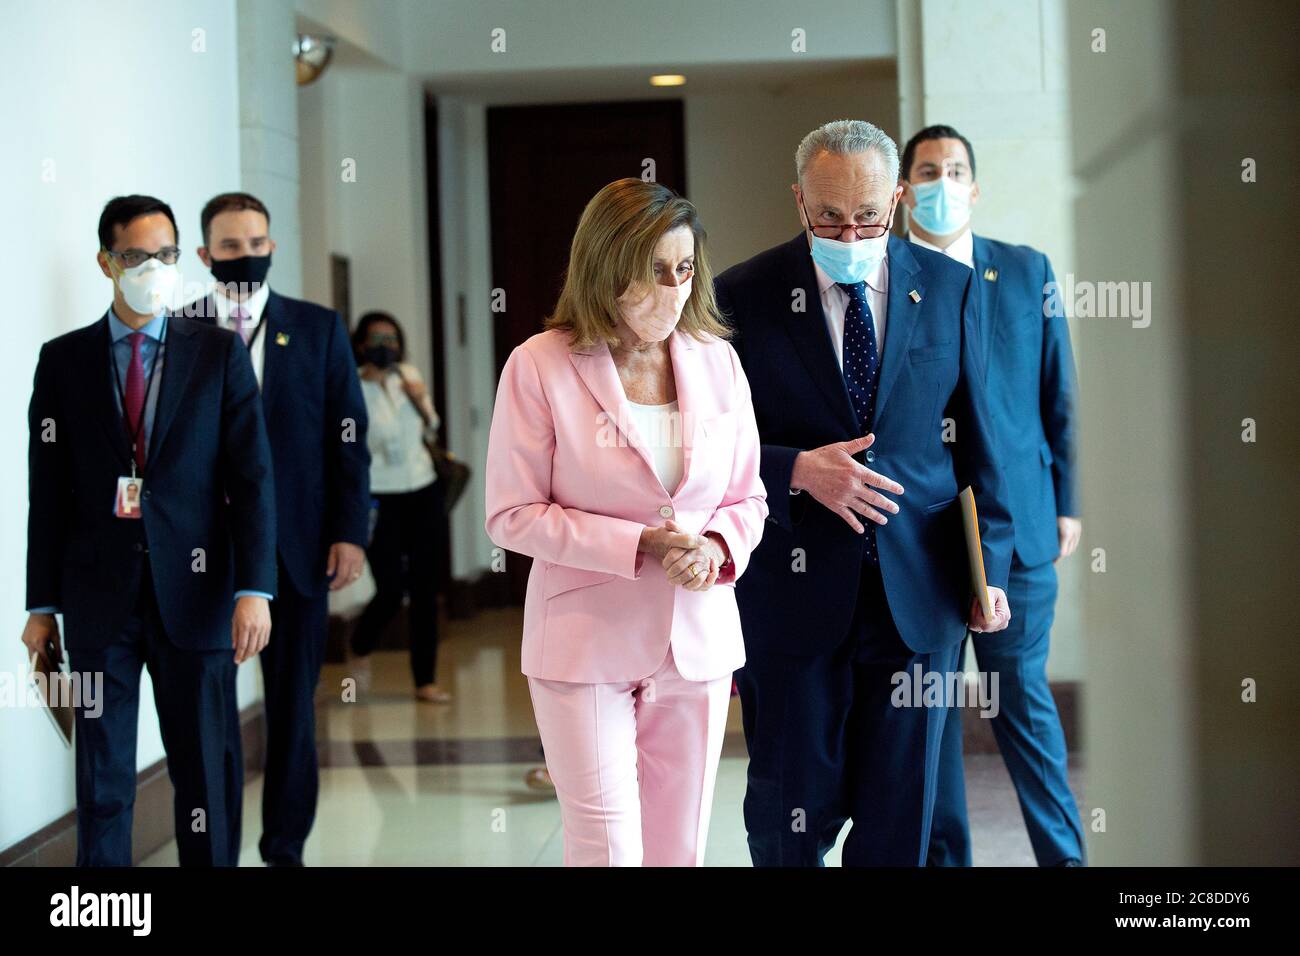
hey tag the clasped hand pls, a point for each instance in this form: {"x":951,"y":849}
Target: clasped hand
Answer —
{"x":690,"y":560}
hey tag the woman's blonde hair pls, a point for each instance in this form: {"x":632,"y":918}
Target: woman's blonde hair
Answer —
{"x":614,"y":247}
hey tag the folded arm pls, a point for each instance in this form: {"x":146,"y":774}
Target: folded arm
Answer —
{"x":520,"y":513}
{"x":739,"y":518}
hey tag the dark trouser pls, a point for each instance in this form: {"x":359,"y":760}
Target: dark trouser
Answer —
{"x":190,"y":691}
{"x":291,"y":666}
{"x":1027,"y":729}
{"x":826,"y":745}
{"x":404,"y":560}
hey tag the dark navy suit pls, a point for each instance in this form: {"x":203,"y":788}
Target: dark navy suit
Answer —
{"x":316,"y":422}
{"x":158,"y":591}
{"x":825,"y":631}
{"x":1029,"y":368}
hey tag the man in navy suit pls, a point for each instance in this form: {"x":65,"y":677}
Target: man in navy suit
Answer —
{"x":151,"y":528}
{"x":861,"y":352}
{"x":1029,"y":368}
{"x":316,"y":420}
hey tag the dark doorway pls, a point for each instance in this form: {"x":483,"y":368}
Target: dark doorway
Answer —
{"x":544,"y":165}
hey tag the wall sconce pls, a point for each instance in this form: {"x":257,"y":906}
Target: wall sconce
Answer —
{"x":311,"y":55}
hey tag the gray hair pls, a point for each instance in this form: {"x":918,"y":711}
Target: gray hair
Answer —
{"x":846,"y":136}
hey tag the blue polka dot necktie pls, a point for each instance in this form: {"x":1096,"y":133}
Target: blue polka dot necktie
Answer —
{"x":861,"y":375}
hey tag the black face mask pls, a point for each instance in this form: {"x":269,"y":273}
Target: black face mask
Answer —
{"x":248,"y":272}
{"x":380,"y":356}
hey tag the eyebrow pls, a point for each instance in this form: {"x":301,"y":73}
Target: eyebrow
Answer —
{"x":864,"y":207}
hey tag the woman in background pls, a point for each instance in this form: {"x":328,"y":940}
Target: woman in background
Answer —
{"x":623,"y":458}
{"x":403,"y":552}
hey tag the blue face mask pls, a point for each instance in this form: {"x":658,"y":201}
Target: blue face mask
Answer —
{"x":848,"y":261}
{"x":942,"y":206}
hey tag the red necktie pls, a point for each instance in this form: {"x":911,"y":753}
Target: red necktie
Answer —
{"x":135,"y":398}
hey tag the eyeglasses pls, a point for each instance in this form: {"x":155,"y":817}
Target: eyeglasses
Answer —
{"x":869,"y":231}
{"x":131,"y":258}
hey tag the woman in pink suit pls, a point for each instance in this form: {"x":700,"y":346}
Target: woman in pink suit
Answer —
{"x":623,"y":458}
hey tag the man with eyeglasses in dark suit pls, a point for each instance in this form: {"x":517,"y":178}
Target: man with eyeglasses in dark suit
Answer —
{"x":151,"y":529}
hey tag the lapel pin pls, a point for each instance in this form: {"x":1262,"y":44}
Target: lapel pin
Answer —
{"x":281,"y":338}
{"x":991,"y":275}
{"x":915,"y":296}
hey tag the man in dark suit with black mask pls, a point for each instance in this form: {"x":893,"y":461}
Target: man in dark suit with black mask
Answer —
{"x":316,"y":422}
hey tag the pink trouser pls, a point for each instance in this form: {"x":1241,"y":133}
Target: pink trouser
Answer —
{"x":634,"y":765}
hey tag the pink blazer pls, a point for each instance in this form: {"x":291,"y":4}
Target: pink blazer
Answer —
{"x":570,"y":483}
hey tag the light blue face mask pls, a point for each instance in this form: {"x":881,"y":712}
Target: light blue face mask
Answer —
{"x":942,"y":206}
{"x":848,"y":261}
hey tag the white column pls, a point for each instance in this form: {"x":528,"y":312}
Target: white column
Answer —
{"x":268,"y":128}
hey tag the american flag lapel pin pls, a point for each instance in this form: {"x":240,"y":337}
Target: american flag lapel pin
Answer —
{"x":915,"y":296}
{"x":991,"y":274}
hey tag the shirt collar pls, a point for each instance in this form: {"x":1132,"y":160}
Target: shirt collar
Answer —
{"x":254,"y":305}
{"x":877,"y":278}
{"x":155,"y":328}
{"x":961,"y":249}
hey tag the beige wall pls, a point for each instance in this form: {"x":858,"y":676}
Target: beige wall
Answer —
{"x":1198,"y":526}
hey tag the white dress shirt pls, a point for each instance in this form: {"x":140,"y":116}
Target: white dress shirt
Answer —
{"x":399,"y":462}
{"x":254,"y":305}
{"x":660,"y":431}
{"x":835,"y":302}
{"x":962,"y":249}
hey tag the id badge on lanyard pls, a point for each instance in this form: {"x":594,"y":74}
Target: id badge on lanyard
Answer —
{"x":130,"y":488}
{"x":129,"y":491}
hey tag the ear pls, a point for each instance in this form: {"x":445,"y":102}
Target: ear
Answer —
{"x":271,"y":246}
{"x":898,"y":193}
{"x":798,"y":203}
{"x":974,"y":193}
{"x":203,"y":256}
{"x":102,"y":258}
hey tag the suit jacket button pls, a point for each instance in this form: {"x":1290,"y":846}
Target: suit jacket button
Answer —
{"x":139,"y":546}
{"x":666,"y":511}
{"x":871,"y":455}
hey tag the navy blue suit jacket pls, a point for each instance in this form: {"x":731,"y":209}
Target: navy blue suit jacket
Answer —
{"x":930,"y":371}
{"x":1029,"y":368}
{"x":208,"y":444}
{"x":310,"y":391}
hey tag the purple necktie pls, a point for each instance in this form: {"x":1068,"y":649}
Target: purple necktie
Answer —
{"x":239,"y":315}
{"x":135,"y":398}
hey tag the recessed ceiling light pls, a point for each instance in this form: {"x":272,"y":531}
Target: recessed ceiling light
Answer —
{"x":667,"y":79}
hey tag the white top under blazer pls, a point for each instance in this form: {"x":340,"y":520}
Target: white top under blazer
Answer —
{"x":660,"y":429}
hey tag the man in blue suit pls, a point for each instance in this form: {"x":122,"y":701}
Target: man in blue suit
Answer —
{"x":316,"y":421}
{"x":1029,"y":368}
{"x":862,"y":354}
{"x":151,"y":528}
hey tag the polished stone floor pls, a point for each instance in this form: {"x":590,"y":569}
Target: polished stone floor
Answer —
{"x":406,"y":783}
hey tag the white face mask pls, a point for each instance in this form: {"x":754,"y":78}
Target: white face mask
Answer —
{"x":653,"y":317}
{"x":149,"y":287}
